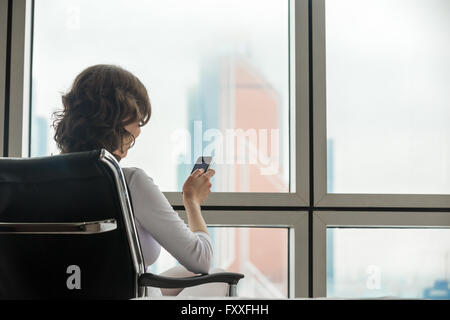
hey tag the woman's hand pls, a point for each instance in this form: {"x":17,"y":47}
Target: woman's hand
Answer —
{"x":197,"y":187}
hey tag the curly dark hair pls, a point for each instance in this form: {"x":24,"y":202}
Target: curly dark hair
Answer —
{"x":102,"y":101}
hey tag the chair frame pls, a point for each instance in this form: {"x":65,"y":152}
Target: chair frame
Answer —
{"x":144,"y":279}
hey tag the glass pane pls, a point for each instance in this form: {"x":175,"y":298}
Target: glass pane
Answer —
{"x":216,"y":71}
{"x":261,"y":254}
{"x":403,"y":263}
{"x":388,"y":83}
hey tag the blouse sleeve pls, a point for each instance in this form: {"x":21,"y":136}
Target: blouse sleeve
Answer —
{"x":155,"y":214}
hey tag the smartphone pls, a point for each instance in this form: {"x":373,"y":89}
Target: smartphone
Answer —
{"x":202,"y":163}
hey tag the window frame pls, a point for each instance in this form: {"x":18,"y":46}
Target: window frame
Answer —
{"x":3,"y":62}
{"x":19,"y":80}
{"x":358,"y":210}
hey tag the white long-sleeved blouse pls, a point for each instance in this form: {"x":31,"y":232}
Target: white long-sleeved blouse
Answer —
{"x":159,"y":225}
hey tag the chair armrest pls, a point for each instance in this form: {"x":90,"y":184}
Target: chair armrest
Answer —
{"x":152,"y":280}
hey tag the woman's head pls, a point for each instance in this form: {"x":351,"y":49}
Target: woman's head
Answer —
{"x":105,"y":108}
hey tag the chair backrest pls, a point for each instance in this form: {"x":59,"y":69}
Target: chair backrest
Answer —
{"x":67,"y":229}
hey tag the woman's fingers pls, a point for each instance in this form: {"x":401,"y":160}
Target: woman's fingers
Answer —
{"x":210,"y":173}
{"x":197,"y":173}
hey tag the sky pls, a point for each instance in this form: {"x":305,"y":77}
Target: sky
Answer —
{"x":388,"y":101}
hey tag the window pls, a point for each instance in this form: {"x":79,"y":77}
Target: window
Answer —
{"x":381,"y":254}
{"x":212,"y":69}
{"x":387,"y":84}
{"x":404,"y":263}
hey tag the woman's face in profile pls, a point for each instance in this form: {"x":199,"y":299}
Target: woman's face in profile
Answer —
{"x":135,"y":130}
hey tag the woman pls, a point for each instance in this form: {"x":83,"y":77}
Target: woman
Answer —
{"x":106,"y":108}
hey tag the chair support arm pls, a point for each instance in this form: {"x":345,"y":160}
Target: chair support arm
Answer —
{"x":152,"y":280}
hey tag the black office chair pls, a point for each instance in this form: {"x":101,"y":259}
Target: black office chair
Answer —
{"x":67,"y":231}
